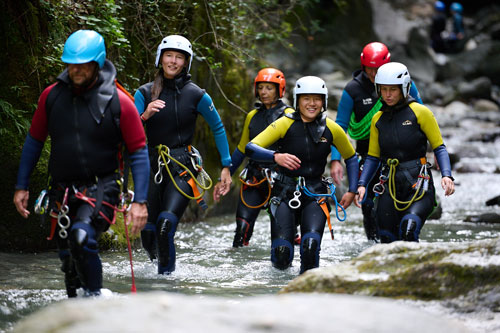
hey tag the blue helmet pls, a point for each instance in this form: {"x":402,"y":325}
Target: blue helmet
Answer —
{"x":439,"y":6}
{"x":84,"y":46}
{"x":457,"y":7}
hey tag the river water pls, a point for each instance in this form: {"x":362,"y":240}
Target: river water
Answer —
{"x":207,"y":265}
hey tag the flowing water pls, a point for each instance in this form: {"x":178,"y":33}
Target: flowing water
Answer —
{"x":207,"y":265}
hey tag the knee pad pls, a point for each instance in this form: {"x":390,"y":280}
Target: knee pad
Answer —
{"x":309,"y":251}
{"x":281,"y":253}
{"x":84,"y":251}
{"x":241,"y":234}
{"x":166,"y":226}
{"x":148,"y":239}
{"x":409,"y":229}
{"x":386,"y":236}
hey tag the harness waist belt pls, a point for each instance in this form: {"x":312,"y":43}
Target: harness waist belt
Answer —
{"x":412,"y":163}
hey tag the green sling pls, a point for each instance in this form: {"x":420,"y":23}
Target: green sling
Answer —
{"x":361,"y":130}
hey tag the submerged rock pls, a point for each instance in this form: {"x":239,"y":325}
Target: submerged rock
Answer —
{"x":425,"y":271}
{"x":165,"y":312}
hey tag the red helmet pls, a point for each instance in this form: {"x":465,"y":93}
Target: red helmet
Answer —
{"x":272,"y":75}
{"x":375,"y":55}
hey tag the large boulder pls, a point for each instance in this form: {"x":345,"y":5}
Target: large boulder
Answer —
{"x":164,"y":312}
{"x":425,"y":271}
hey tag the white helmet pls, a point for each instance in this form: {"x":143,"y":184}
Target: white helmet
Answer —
{"x":176,"y":43}
{"x":310,"y":85}
{"x":393,"y":73}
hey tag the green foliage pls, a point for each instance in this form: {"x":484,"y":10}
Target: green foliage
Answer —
{"x":12,"y":122}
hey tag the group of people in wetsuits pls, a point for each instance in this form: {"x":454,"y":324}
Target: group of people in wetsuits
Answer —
{"x":87,"y":117}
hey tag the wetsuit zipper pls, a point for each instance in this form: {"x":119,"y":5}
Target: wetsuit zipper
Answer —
{"x":79,"y":146}
{"x":177,"y":119}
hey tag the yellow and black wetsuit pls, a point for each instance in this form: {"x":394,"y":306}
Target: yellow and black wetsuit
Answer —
{"x":253,"y":197}
{"x":399,"y":136}
{"x":311,"y":143}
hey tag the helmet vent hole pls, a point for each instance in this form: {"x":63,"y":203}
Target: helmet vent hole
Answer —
{"x":400,"y":75}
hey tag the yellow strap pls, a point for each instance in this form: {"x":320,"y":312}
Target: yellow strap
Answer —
{"x":163,"y":151}
{"x":393,"y":163}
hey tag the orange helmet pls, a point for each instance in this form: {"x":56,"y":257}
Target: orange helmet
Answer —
{"x":375,"y":55}
{"x":272,"y":75}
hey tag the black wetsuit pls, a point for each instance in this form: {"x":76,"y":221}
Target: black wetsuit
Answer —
{"x":253,"y":195}
{"x":174,"y":127}
{"x":401,"y":133}
{"x":311,"y":143}
{"x":86,"y":127}
{"x":358,"y":100}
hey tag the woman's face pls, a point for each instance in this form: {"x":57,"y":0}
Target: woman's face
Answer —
{"x":172,"y":63}
{"x":391,"y":94}
{"x":310,"y":106}
{"x":371,"y":72}
{"x":267,"y":93}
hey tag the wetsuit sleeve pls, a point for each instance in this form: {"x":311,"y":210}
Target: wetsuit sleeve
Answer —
{"x":256,"y":149}
{"x":352,"y":166}
{"x":373,"y":147}
{"x":344,"y":112}
{"x":340,"y":139}
{"x":139,"y":102}
{"x":33,"y":144}
{"x":415,"y":93}
{"x":29,"y":157}
{"x":428,"y":124}
{"x":131,"y":125}
{"x":245,"y":135}
{"x":443,"y":160}
{"x":369,"y":169}
{"x":139,"y":165}
{"x":236,"y":159}
{"x":207,"y":109}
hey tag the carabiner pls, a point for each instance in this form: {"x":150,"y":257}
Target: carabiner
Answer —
{"x":42,"y":203}
{"x":159,"y":175}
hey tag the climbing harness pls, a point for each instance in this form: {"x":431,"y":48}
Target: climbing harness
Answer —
{"x":322,"y":200}
{"x":164,"y":159}
{"x":422,"y":183}
{"x":266,"y":172}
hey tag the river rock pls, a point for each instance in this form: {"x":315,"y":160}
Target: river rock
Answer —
{"x":425,"y":271}
{"x":485,"y":105}
{"x":484,"y":218}
{"x":166,"y":312}
{"x":477,"y":88}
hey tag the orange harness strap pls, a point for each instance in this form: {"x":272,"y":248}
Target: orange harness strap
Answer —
{"x":324,"y":207}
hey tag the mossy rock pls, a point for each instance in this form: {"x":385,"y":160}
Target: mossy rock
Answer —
{"x":432,"y":271}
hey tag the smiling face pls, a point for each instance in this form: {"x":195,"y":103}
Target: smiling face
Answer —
{"x":82,"y":75}
{"x":172,"y":63}
{"x":310,"y":106}
{"x":267,"y":94}
{"x":391,"y":94}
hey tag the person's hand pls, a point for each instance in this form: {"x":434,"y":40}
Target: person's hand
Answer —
{"x":359,"y":197}
{"x":347,"y":199}
{"x":448,"y":186}
{"x":217,"y":192}
{"x":138,"y":216}
{"x":224,"y":184}
{"x":21,"y":201}
{"x":288,"y":161}
{"x":153,"y":108}
{"x":336,"y":171}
